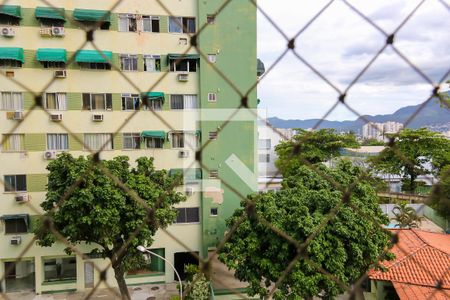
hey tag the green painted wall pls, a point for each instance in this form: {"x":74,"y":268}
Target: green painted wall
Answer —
{"x":118,"y":141}
{"x":74,"y":101}
{"x":116,"y":101}
{"x":76,"y":142}
{"x":35,"y":142}
{"x":28,"y":100}
{"x":164,"y":24}
{"x":234,"y":42}
{"x":36,"y":182}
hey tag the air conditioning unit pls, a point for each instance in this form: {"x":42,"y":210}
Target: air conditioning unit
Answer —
{"x":8,"y":31}
{"x":18,"y":115}
{"x":183,"y":154}
{"x":21,"y":198}
{"x":189,"y":191}
{"x":97,"y":118}
{"x":50,"y":155}
{"x":183,"y":77}
{"x":58,"y":31}
{"x":56,"y":117}
{"x":60,"y":74}
{"x":45,"y":31}
{"x":16,"y":240}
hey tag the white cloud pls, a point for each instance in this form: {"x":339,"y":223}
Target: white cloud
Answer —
{"x":339,"y":44}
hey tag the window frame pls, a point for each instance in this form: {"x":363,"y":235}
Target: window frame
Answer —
{"x":7,"y":187}
{"x":133,"y":61}
{"x":21,"y":100}
{"x":135,"y":140}
{"x":57,"y":104}
{"x":152,"y":19}
{"x":183,"y":102}
{"x":184,"y":211}
{"x":183,"y":21}
{"x":176,"y":63}
{"x":60,"y":65}
{"x":110,"y":142}
{"x":24,"y":228}
{"x":95,"y":66}
{"x":128,"y":24}
{"x":157,"y":143}
{"x":157,"y":63}
{"x":135,"y":102}
{"x":107,"y":98}
{"x":10,"y":64}
{"x":59,"y":141}
{"x":49,"y":262}
{"x":181,"y":139}
{"x":6,"y":137}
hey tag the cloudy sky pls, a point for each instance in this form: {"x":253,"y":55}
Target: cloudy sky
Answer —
{"x":339,"y":44}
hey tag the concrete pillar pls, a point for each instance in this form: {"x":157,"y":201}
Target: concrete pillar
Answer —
{"x":80,"y":273}
{"x":39,"y":274}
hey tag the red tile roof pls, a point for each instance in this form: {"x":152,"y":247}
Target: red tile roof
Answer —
{"x":422,"y":263}
{"x":413,"y":292}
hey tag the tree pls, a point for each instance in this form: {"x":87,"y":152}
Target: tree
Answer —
{"x":440,"y":196}
{"x":345,"y":247}
{"x":313,"y":146}
{"x":406,"y":216}
{"x":97,"y":211}
{"x":197,"y":285}
{"x":414,"y":152}
{"x":372,"y":142}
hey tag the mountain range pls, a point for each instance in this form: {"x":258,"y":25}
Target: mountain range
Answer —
{"x":430,"y":115}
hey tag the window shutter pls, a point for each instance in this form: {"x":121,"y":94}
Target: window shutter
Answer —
{"x":86,"y":101}
{"x":109,"y":101}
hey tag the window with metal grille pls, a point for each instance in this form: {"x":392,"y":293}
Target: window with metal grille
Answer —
{"x":132,"y":140}
{"x":130,"y":102}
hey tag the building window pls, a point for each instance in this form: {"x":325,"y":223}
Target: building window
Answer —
{"x":97,"y":141}
{"x":95,"y":66}
{"x":56,"y":101}
{"x":131,"y":141}
{"x":188,"y":215}
{"x":210,"y":19}
{"x":51,"y":22}
{"x":214,"y":211}
{"x":127,"y":23}
{"x":181,"y":139}
{"x":264,"y":158}
{"x":10,"y":63}
{"x":13,"y":142}
{"x":54,"y":64}
{"x":12,"y":101}
{"x":9,"y":20}
{"x":183,"y":101}
{"x":183,"y":65}
{"x":58,"y":269}
{"x":181,"y":25}
{"x":212,"y":97}
{"x":153,"y":105}
{"x":152,"y":63}
{"x":130,"y":102}
{"x":150,"y":24}
{"x":129,"y":62}
{"x":264,"y":144}
{"x":97,"y":102}
{"x":213,"y":135}
{"x":154,"y":264}
{"x":15,"y":183}
{"x":16,"y":226}
{"x":154,"y":143}
{"x":57,"y":141}
{"x":212,"y":58}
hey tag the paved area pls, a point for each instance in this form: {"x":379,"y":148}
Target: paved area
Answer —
{"x":144,"y":292}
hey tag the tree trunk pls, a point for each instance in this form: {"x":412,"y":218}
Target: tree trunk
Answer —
{"x":412,"y":183}
{"x":119,"y":273}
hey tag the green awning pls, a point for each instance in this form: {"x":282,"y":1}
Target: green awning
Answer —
{"x":23,"y":217}
{"x":189,"y":174}
{"x":154,"y":96}
{"x":90,"y":15}
{"x":182,"y":56}
{"x":157,"y":134}
{"x":11,"y":10}
{"x":260,"y":68}
{"x":12,"y":53}
{"x":49,"y":13}
{"x":93,"y":56}
{"x":46,"y":54}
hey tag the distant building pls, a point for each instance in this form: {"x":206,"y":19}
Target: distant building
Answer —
{"x":378,"y":131}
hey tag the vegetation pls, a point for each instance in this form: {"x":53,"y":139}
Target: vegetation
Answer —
{"x":413,"y":153}
{"x":312,"y":147}
{"x":96,"y":210}
{"x":346,"y":247}
{"x":405,"y":216}
{"x":197,"y":285}
{"x":372,"y":142}
{"x":440,"y":196}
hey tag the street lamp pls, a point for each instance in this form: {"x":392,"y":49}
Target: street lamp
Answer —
{"x":143,"y":250}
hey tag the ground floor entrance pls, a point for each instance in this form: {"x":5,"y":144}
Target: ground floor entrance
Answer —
{"x":184,"y":258}
{"x":19,"y":276}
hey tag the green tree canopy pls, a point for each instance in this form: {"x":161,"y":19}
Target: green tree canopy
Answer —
{"x":345,"y":247}
{"x":97,"y":211}
{"x":312,"y":146}
{"x":406,"y":216}
{"x":410,"y":154}
{"x":440,"y":196}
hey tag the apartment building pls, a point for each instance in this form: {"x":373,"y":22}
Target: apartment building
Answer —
{"x":378,"y":131}
{"x":142,"y":71}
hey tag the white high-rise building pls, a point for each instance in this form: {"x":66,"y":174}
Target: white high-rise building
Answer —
{"x":378,"y":131}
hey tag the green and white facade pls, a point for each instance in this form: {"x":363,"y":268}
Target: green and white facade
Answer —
{"x":86,"y":102}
